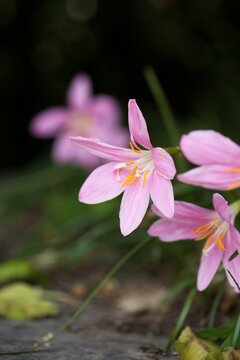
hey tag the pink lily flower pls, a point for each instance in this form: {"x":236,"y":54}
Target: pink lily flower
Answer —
{"x":218,"y":157}
{"x":215,"y":226}
{"x":84,"y":115}
{"x":136,"y":172}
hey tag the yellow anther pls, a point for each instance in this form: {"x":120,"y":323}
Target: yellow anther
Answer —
{"x":118,"y":173}
{"x":137,"y":151}
{"x":234,"y":170}
{"x":214,"y":221}
{"x":205,"y":235}
{"x":145,"y":177}
{"x":202,"y":229}
{"x":130,"y":163}
{"x":234,"y":186}
{"x":219,"y":241}
{"x":207,"y":243}
{"x":133,"y":181}
{"x":129,"y":177}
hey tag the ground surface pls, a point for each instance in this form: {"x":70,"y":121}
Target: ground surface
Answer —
{"x":99,"y":333}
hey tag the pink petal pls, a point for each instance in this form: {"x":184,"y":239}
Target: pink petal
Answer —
{"x":187,"y":212}
{"x":133,"y":206}
{"x":187,"y":217}
{"x":162,"y":194}
{"x":137,"y":125}
{"x":211,"y":177}
{"x":232,"y":243}
{"x":105,"y":151}
{"x":100,"y":185}
{"x":208,"y":267}
{"x":106,"y":109}
{"x":65,"y":152}
{"x":163,"y":163}
{"x":79,"y":91}
{"x":221,"y":206}
{"x":205,"y":147}
{"x":48,"y":122}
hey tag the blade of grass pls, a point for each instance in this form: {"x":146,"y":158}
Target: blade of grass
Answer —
{"x":182,"y":316}
{"x":236,"y":332}
{"x":163,"y":105}
{"x":176,"y":289}
{"x":216,"y":303}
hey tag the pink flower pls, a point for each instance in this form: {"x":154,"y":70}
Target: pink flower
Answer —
{"x":84,"y":115}
{"x":139,"y":173}
{"x":214,"y":226}
{"x":218,"y":157}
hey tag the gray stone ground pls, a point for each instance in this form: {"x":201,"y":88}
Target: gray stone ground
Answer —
{"x":89,"y":338}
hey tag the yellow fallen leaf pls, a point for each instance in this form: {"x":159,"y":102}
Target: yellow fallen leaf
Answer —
{"x":22,"y":301}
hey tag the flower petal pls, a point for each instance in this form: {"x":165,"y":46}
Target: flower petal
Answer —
{"x":64,"y":151}
{"x":205,"y":147}
{"x":208,"y":267}
{"x":79,"y":91}
{"x":211,"y":177}
{"x":100,"y":185}
{"x":48,"y":122}
{"x":162,"y":194}
{"x":163,"y":163}
{"x":187,"y":218}
{"x":187,"y":212}
{"x":137,"y":125}
{"x":221,"y":206}
{"x":133,"y":206}
{"x":106,"y":109}
{"x":234,"y":265}
{"x":103,"y":150}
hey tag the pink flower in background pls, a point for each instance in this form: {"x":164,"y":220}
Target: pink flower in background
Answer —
{"x":218,"y":157}
{"x":214,"y":226}
{"x":85,"y":115}
{"x":136,"y":172}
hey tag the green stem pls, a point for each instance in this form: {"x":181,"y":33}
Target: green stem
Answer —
{"x":216,"y":303}
{"x":163,"y":105}
{"x":111,"y":273}
{"x":182,"y":317}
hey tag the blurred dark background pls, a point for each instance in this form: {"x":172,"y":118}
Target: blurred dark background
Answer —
{"x":194,"y":47}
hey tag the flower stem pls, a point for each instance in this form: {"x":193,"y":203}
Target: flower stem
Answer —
{"x":111,"y":273}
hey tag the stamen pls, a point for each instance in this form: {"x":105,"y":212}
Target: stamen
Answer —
{"x":219,"y":241}
{"x":118,"y":174}
{"x":204,"y":236}
{"x":137,"y":151}
{"x":214,"y":221}
{"x":133,"y":181}
{"x":145,"y":177}
{"x":129,"y":177}
{"x":202,"y":229}
{"x":130,"y":163}
{"x":234,"y":186}
{"x":234,"y":170}
{"x":208,"y":242}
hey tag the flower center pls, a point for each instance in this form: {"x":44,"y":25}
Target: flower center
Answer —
{"x":236,"y":184}
{"x":212,"y":231}
{"x":80,"y":124}
{"x":140,"y":167}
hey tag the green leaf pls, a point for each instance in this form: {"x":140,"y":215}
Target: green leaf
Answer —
{"x":22,"y":301}
{"x":215,"y":333}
